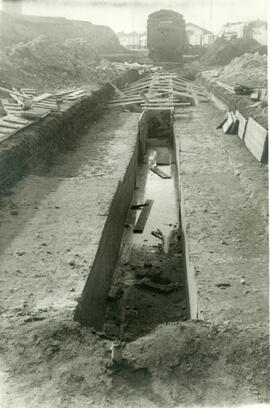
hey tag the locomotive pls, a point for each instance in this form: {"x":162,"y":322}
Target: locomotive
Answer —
{"x":166,"y":36}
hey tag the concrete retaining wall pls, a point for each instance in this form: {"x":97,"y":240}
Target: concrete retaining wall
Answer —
{"x":92,"y":305}
{"x":190,"y":277}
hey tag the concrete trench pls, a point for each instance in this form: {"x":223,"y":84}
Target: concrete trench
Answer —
{"x":37,"y":149}
{"x":124,"y":277}
{"x":116,"y":287}
{"x":149,"y":283}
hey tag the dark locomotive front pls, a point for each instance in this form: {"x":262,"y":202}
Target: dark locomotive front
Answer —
{"x":166,"y":36}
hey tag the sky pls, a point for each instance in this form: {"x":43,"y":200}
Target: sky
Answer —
{"x":131,"y":15}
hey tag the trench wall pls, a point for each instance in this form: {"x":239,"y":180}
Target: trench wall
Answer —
{"x":190,"y":278}
{"x":92,"y":304}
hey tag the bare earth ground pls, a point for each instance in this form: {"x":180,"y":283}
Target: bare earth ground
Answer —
{"x":49,"y":361}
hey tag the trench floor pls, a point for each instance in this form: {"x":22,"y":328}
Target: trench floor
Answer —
{"x":148,"y":286}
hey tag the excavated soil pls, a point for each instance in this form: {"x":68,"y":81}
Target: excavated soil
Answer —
{"x":223,"y":51}
{"x":50,"y":53}
{"x":247,"y":70}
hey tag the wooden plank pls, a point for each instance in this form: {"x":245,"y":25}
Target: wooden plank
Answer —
{"x":12,"y":104}
{"x":234,"y":130}
{"x":44,"y":105}
{"x":35,"y":114}
{"x":137,"y":84}
{"x":186,"y":95}
{"x":9,"y":125}
{"x":143,"y":217}
{"x":41,"y":97}
{"x":118,"y":100}
{"x":18,"y":99}
{"x":28,"y":90}
{"x":255,"y":95}
{"x":157,"y":109}
{"x":160,"y":172}
{"x":227,"y":126}
{"x":15,"y":119}
{"x":163,"y":156}
{"x":39,"y":106}
{"x":12,"y":109}
{"x":165,"y":105}
{"x":138,"y":87}
{"x":4,"y":130}
{"x":64,"y":92}
{"x":124,"y":103}
{"x":151,"y":99}
{"x":242,"y":125}
{"x":73,"y":98}
{"x":256,"y":138}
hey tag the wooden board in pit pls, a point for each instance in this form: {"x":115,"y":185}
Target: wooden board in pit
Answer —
{"x":256,"y":138}
{"x":242,"y":125}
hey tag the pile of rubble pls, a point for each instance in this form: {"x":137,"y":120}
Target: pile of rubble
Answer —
{"x":23,"y":107}
{"x":247,"y":70}
{"x":48,"y":53}
{"x":141,"y":68}
{"x":45,"y":64}
{"x":223,"y":51}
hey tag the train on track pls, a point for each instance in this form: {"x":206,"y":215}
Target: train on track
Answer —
{"x":166,"y":36}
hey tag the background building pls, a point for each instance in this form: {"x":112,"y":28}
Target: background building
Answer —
{"x":197,"y":35}
{"x":132,"y":40}
{"x":253,"y":29}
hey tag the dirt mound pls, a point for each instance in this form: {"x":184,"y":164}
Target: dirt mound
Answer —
{"x":247,"y":70}
{"x":26,"y":28}
{"x":41,"y":63}
{"x":223,"y":51}
{"x":52,"y":52}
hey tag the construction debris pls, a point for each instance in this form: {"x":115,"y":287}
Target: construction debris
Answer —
{"x":249,"y":70}
{"x":160,"y":173}
{"x":236,"y":89}
{"x":158,"y":92}
{"x":138,"y":206}
{"x":230,"y":124}
{"x":24,"y":106}
{"x":224,"y":51}
{"x":49,"y":53}
{"x":158,"y":287}
{"x":143,"y":217}
{"x":141,"y":68}
{"x":11,"y":124}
